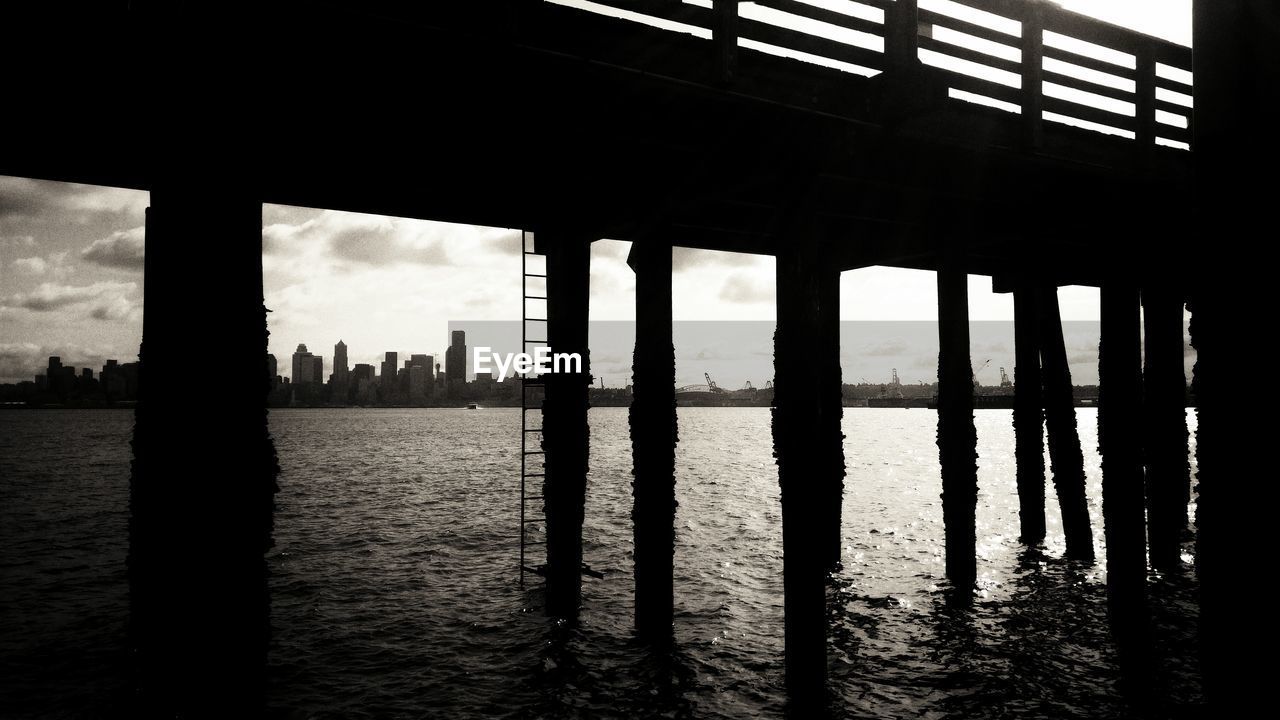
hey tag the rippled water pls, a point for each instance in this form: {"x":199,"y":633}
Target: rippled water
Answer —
{"x":395,"y":593}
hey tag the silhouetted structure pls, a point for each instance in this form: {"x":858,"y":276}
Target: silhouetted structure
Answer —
{"x":455,"y":362}
{"x":668,"y":139}
{"x":654,"y":434}
{"x":341,"y":368}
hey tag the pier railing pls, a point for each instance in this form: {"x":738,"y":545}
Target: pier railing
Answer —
{"x":1028,"y":57}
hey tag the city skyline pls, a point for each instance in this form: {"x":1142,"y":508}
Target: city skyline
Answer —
{"x":71,"y":261}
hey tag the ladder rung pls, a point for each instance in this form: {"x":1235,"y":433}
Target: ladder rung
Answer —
{"x":529,"y":475}
{"x":536,"y":542}
{"x":535,"y":570}
{"x":535,"y":452}
{"x":534,"y":430}
{"x":531,"y":498}
{"x":541,"y":275}
{"x":531,"y":522}
{"x":526,"y":342}
{"x":534,"y":297}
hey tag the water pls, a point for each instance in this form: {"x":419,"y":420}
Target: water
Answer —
{"x":395,"y":594}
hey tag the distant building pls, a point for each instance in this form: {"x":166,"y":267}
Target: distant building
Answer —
{"x":60,"y":379}
{"x":317,"y":363}
{"x":272,"y":367}
{"x":304,"y":366}
{"x":417,"y":382}
{"x":340,"y":371}
{"x":362,"y":371}
{"x":390,"y":368}
{"x":455,"y":359}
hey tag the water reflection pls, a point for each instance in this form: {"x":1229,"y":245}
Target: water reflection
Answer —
{"x":569,"y":678}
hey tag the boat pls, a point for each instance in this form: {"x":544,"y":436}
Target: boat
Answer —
{"x":473,"y":406}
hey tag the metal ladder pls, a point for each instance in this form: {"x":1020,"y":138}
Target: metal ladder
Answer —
{"x":533,"y":333}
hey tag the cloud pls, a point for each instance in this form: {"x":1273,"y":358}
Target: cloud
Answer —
{"x":17,"y":241}
{"x":122,"y":249}
{"x":1083,"y":358}
{"x":382,"y":245}
{"x":101,"y":300}
{"x":740,"y":288}
{"x":55,"y":265}
{"x":683,"y":258}
{"x":27,"y":199}
{"x":886,"y":348}
{"x":31,"y":266}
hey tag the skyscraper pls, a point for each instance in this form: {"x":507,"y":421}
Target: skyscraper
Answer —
{"x":427,"y":363}
{"x":303,"y":366}
{"x":389,"y":370}
{"x":455,"y":359}
{"x":317,"y":375}
{"x":340,"y":369}
{"x":271,"y":366}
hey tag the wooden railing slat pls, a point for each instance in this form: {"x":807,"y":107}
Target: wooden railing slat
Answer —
{"x":665,"y":9}
{"x":975,"y":56}
{"x":1088,"y":86}
{"x":981,"y":86}
{"x":823,"y":15}
{"x":1091,"y":114}
{"x":1174,"y":85}
{"x":979,"y":31}
{"x":1085,"y":61}
{"x":811,"y":44}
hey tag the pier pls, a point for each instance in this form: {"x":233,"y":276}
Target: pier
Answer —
{"x":713,"y":125}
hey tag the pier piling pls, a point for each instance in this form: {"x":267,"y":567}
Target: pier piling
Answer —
{"x":957,"y":436}
{"x":1165,"y":423}
{"x":1066,"y":459}
{"x":1120,"y":382}
{"x":566,"y":434}
{"x":805,"y":473}
{"x":203,"y":480}
{"x":1028,"y":417}
{"x":654,"y":434}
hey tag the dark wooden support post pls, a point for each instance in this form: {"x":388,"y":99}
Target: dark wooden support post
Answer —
{"x":902,"y":38}
{"x":1165,"y":423}
{"x":1028,"y":417}
{"x":201,"y":495}
{"x":654,"y":434}
{"x":957,"y":436}
{"x":807,"y":483}
{"x":724,"y":36}
{"x":1065,"y":456}
{"x":1145,"y":97}
{"x":1120,"y":381}
{"x":830,"y":442}
{"x":564,"y":412}
{"x":1235,"y":65}
{"x":1033,"y":73}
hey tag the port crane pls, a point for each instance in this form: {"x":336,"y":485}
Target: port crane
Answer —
{"x":982,"y":367}
{"x":711,"y":384}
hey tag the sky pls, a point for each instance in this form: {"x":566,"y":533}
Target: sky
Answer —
{"x":71,"y":276}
